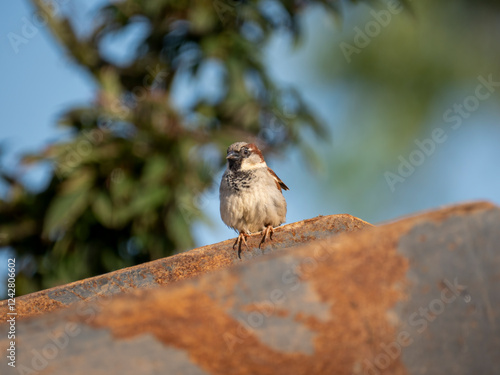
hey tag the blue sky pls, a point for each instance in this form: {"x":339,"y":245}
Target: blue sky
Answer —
{"x":38,"y":83}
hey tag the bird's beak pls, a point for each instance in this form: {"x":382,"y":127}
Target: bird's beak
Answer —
{"x":232,"y":156}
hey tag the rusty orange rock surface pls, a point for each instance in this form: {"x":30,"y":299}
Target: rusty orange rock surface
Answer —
{"x":416,"y":296}
{"x":180,"y":266}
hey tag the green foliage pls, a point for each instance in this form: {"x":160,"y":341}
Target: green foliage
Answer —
{"x":398,"y":88}
{"x":124,"y":187}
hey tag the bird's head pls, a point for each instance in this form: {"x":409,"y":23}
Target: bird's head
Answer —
{"x":244,"y":156}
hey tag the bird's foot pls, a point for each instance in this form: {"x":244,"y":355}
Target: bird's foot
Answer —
{"x":242,"y":238}
{"x":269,"y":230}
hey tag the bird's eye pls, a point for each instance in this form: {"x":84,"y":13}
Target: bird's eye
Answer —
{"x":245,"y":151}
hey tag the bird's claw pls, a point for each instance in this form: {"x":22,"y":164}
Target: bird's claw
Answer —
{"x":241,"y":238}
{"x":269,"y":230}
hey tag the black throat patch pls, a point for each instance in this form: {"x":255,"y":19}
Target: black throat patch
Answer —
{"x":235,"y":164}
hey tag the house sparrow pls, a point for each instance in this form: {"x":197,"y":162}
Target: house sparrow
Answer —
{"x":250,"y":194}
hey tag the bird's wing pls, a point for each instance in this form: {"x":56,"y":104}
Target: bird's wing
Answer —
{"x":280,"y":184}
